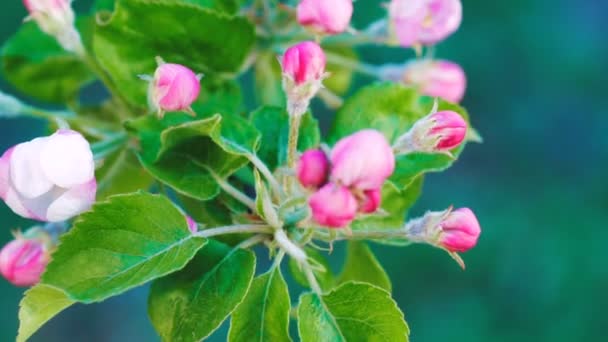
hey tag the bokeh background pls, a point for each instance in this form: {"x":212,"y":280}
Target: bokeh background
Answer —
{"x":538,"y":93}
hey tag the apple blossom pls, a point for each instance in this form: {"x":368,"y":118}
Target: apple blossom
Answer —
{"x":23,"y":260}
{"x":50,"y":178}
{"x":173,"y":88}
{"x":437,"y":78}
{"x":56,"y":18}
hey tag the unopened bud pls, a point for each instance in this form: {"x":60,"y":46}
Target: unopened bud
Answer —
{"x":173,"y":89}
{"x":56,"y":18}
{"x":325,"y":17}
{"x":23,"y":260}
{"x":371,"y":201}
{"x":424,"y":22}
{"x":435,"y":133}
{"x":333,"y":206}
{"x":303,"y":71}
{"x":441,"y":79}
{"x":313,"y":168}
{"x":363,"y":160}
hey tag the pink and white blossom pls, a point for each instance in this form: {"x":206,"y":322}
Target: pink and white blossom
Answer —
{"x":333,"y":206}
{"x":424,"y":22}
{"x":363,"y":160}
{"x":174,"y":88}
{"x":442,"y":79}
{"x":313,"y":168}
{"x":325,"y":17}
{"x":460,"y":231}
{"x":49,"y":179}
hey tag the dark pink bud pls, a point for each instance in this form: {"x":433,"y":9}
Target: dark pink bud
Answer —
{"x":23,"y":261}
{"x":450,"y":128}
{"x":363,"y":160}
{"x":459,"y":231}
{"x":313,"y":168}
{"x":333,"y":206}
{"x":371,"y":201}
{"x":328,"y":17}
{"x":304,"y":62}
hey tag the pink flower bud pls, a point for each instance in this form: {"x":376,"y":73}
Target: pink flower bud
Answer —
{"x":327,"y":17}
{"x":459,"y":231}
{"x":56,"y":18}
{"x":371,"y":202}
{"x":49,"y":179}
{"x":437,"y":78}
{"x":449,"y":128}
{"x":424,"y":21}
{"x":23,"y":261}
{"x":333,"y":206}
{"x":363,"y":160}
{"x":174,"y":88}
{"x":304,"y":63}
{"x":191,"y":224}
{"x":313,"y":168}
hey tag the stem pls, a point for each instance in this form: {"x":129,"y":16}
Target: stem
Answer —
{"x":355,"y":65}
{"x":252,"y":241}
{"x":232,"y":191}
{"x":292,"y":145}
{"x":276,"y":187}
{"x":236,"y":229}
{"x":363,"y":235}
{"x":312,"y":280}
{"x":289,"y":247}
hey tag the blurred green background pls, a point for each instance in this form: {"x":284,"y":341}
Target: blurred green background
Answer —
{"x":538,"y":93}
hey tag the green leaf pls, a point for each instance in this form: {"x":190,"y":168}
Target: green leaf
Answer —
{"x":139,"y":30}
{"x":184,"y":156}
{"x":227,"y":6}
{"x":121,"y":173}
{"x":361,"y":265}
{"x":189,"y":305}
{"x":37,"y":66}
{"x":264,"y":313}
{"x":273,"y":123}
{"x":352,"y":312}
{"x":40,"y":304}
{"x":393,"y":109}
{"x":121,"y":244}
{"x":322,"y":271}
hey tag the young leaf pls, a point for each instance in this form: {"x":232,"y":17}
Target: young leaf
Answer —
{"x":325,"y":278}
{"x":189,"y":305}
{"x":36,"y":65}
{"x":361,"y":265}
{"x":139,"y":30}
{"x":273,"y":123}
{"x":190,"y":155}
{"x":121,"y":244}
{"x":352,"y":312}
{"x":393,"y":109}
{"x":38,"y":306}
{"x":264,"y":313}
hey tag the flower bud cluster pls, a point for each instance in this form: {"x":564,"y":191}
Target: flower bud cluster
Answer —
{"x":49,"y":179}
{"x":350,"y":180}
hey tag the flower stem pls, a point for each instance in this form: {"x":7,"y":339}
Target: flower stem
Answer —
{"x":289,"y":247}
{"x":363,"y":235}
{"x":312,"y":280}
{"x":259,"y":164}
{"x":231,"y":190}
{"x":355,"y":65}
{"x":236,"y":229}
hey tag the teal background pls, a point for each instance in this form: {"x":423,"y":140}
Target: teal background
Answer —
{"x":537,"y":93}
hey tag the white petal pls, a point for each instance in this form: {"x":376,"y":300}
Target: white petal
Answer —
{"x":14,"y":202}
{"x":26,"y":174}
{"x":72,"y":202}
{"x":67,"y":159}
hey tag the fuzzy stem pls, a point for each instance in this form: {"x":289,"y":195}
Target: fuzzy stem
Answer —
{"x":355,"y":65}
{"x":231,"y":190}
{"x":236,"y":229}
{"x":289,"y":247}
{"x":363,"y":235}
{"x":312,"y":280}
{"x":259,"y":164}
